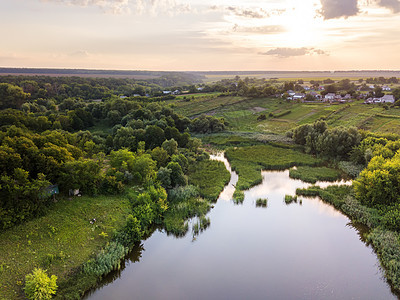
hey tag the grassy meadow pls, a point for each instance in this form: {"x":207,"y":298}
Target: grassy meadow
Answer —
{"x":60,"y":241}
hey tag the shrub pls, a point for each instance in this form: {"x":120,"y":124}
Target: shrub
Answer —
{"x":39,"y":286}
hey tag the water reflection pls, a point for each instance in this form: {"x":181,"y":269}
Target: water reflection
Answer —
{"x":227,"y":193}
{"x":308,"y":251}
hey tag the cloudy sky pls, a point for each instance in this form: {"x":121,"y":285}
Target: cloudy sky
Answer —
{"x":201,"y":34}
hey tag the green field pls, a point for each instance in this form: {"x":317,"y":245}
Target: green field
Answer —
{"x":60,"y":241}
{"x":241,"y":113}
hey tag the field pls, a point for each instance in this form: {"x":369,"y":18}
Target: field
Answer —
{"x":60,"y":241}
{"x":241,"y":113}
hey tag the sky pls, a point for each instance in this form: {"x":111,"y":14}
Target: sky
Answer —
{"x":201,"y":35}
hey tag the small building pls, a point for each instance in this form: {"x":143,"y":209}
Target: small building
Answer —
{"x":298,"y":96}
{"x":386,"y":88}
{"x":387,"y":99}
{"x":330,"y":97}
{"x":291,"y":93}
{"x":123,"y":97}
{"x":167,"y":92}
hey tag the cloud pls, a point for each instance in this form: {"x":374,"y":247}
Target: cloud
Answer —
{"x":333,"y":9}
{"x":289,"y":52}
{"x":393,"y":5}
{"x":250,"y":13}
{"x":270,"y":29}
{"x":128,"y":6}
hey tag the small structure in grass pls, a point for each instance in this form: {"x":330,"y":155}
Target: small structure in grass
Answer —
{"x":261,"y":202}
{"x":290,"y":199}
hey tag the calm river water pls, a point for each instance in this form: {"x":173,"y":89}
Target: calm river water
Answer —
{"x":296,"y":251}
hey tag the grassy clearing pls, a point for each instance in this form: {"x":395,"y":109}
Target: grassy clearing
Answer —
{"x":59,"y":241}
{"x":210,"y":177}
{"x":314,"y":174}
{"x":249,"y":161}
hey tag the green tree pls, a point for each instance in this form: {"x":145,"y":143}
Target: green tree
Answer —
{"x":39,"y":286}
{"x":11,"y":96}
{"x":171,"y":146}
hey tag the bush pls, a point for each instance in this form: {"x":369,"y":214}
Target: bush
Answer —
{"x":39,"y":286}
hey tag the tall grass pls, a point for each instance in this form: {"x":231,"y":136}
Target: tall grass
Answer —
{"x":314,"y":174}
{"x":210,"y":177}
{"x":184,"y":203}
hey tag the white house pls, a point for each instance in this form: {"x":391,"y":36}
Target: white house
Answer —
{"x":330,"y":96}
{"x":386,"y":88}
{"x":298,"y":96}
{"x":291,"y":93}
{"x":387,"y":99}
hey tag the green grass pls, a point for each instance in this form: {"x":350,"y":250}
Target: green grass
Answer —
{"x":249,"y":161}
{"x":314,"y":174}
{"x":210,"y":176}
{"x":59,"y":241}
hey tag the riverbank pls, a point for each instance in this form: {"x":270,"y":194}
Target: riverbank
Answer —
{"x":61,"y":241}
{"x":76,"y":234}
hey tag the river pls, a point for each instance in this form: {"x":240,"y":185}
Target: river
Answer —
{"x":305,"y":250}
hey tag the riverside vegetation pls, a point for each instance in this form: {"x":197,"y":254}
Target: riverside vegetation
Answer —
{"x":139,"y":166}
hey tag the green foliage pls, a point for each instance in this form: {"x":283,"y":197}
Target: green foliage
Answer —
{"x":184,"y":203}
{"x":391,"y":219}
{"x":314,"y":174}
{"x":209,"y":176}
{"x":38,"y":286}
{"x":379,"y":183}
{"x":107,"y":260}
{"x":332,"y":143}
{"x":238,"y":196}
{"x":11,"y":96}
{"x":207,"y":124}
{"x":290,"y":199}
{"x":387,"y":246}
{"x":261,"y":202}
{"x":351,"y":169}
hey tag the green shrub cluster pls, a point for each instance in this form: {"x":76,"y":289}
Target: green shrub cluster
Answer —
{"x":38,"y":285}
{"x":107,"y":260}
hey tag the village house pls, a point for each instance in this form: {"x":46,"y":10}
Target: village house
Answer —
{"x":387,"y":99}
{"x":330,"y":97}
{"x":386,"y":88}
{"x":298,"y":96}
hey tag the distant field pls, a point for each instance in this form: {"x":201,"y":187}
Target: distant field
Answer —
{"x":139,"y":77}
{"x":293,"y":75}
{"x":241,"y":113}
